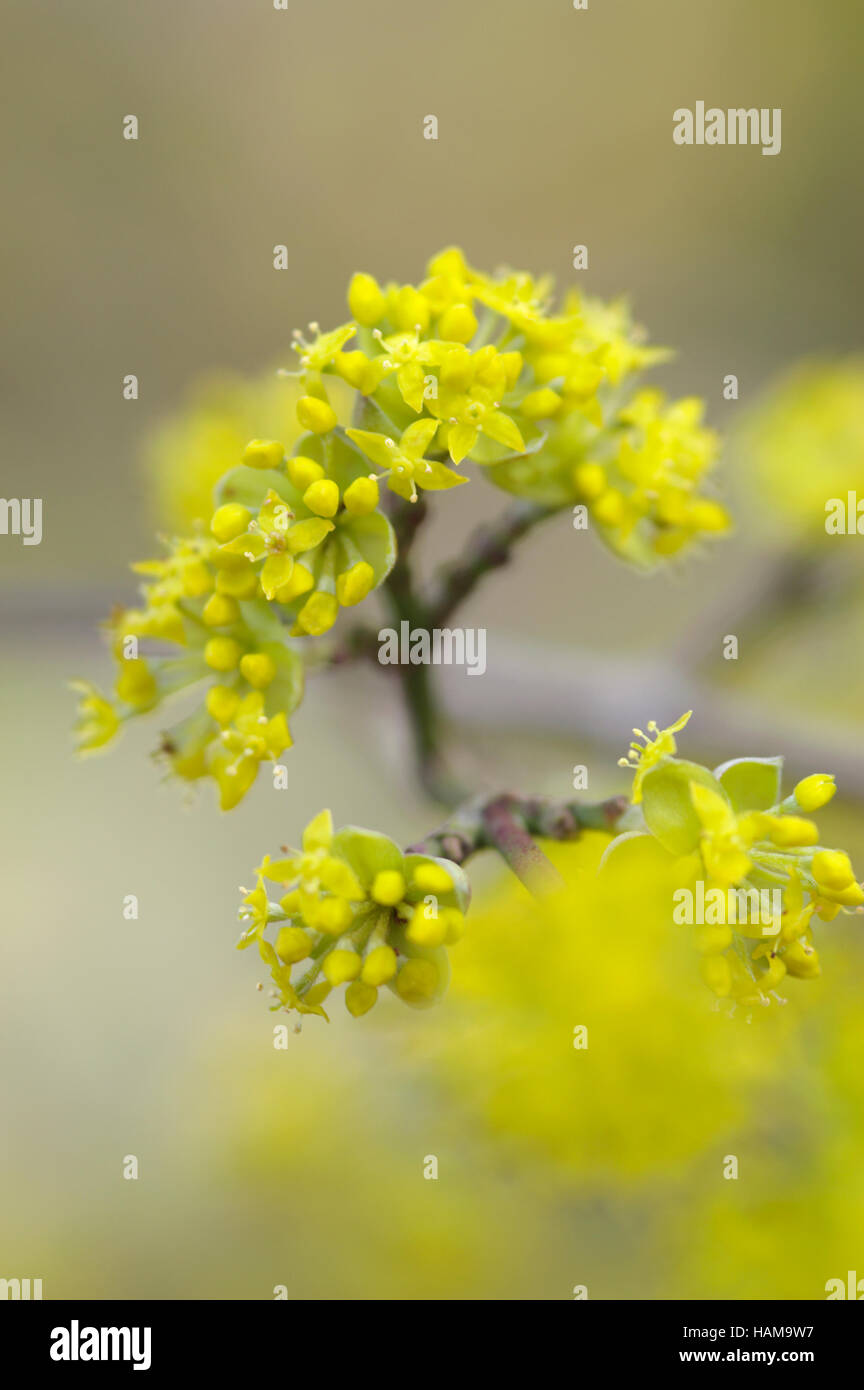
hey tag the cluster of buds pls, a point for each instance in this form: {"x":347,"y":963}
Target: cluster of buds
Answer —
{"x":731,"y":831}
{"x":356,"y":911}
{"x":461,"y":368}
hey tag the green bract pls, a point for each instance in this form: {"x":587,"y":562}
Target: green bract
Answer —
{"x":667,"y":803}
{"x":751,"y":784}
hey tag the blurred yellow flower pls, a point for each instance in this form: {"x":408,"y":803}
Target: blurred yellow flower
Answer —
{"x":574,"y":1032}
{"x":803,"y":444}
{"x":192,"y":450}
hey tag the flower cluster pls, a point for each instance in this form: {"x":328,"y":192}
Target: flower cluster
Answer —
{"x":356,"y":911}
{"x":198,"y":623}
{"x":730,"y":833}
{"x":461,"y":368}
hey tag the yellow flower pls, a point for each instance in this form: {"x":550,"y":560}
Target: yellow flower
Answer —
{"x":276,"y":537}
{"x":407,"y":354}
{"x":314,"y":866}
{"x":255,"y":913}
{"x":726,"y":837}
{"x":407,"y":469}
{"x":661,"y":744}
{"x":250,"y":739}
{"x":98,"y":720}
{"x":473,"y":413}
{"x":325,"y":347}
{"x":803,"y":444}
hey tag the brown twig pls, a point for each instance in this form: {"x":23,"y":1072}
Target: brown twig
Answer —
{"x":487,"y":549}
{"x":510,"y":825}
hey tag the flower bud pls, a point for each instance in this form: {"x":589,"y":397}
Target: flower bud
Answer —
{"x":293,"y":944}
{"x":365,"y":299}
{"x":717,"y":974}
{"x":315,"y":415}
{"x":590,"y":479}
{"x":222,"y":703}
{"x":832,"y":869}
{"x":222,"y":653}
{"x":457,"y":324}
{"x":353,"y":585}
{"x":815,"y":791}
{"x":333,"y":915}
{"x":318,"y":614}
{"x":431,"y":878}
{"x":411,"y":311}
{"x":801,"y":960}
{"x":360,"y":998}
{"x":792,"y":830}
{"x":361,"y":496}
{"x":541,"y":404}
{"x":220,"y":611}
{"x":301,"y":581}
{"x":388,"y":888}
{"x":303,"y":471}
{"x":258,"y":668}
{"x":263,"y":453}
{"x":418,"y":981}
{"x":341,"y":965}
{"x":379,"y":966}
{"x":229,"y":521}
{"x":424,"y":930}
{"x":322,"y":497}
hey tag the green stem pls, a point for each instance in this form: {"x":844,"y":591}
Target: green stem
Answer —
{"x":417,"y":681}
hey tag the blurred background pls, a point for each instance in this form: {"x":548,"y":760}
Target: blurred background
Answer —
{"x":304,"y":1167}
